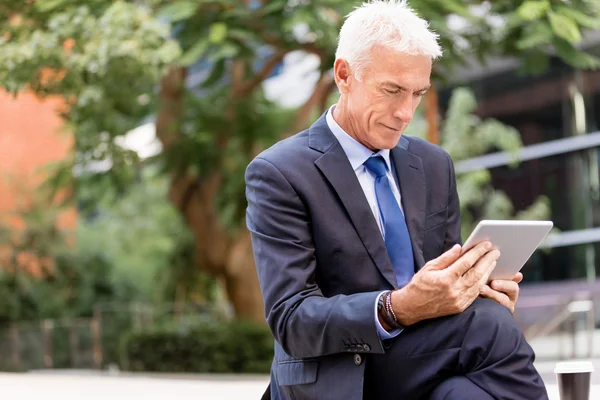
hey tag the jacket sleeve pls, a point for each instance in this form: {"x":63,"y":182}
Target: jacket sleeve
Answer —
{"x":453,"y":230}
{"x":304,"y":322}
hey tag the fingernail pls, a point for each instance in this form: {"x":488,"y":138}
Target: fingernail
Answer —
{"x":488,"y":245}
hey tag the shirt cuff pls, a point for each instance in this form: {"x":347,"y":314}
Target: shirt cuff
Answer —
{"x":383,"y":334}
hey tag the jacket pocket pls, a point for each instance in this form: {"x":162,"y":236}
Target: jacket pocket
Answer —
{"x":436,"y":219}
{"x":297,"y":372}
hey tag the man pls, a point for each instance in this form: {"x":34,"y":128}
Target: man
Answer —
{"x":356,"y":235}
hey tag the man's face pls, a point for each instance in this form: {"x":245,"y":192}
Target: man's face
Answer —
{"x":382,"y":104}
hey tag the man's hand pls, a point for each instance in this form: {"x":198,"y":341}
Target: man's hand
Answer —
{"x":446,"y":285}
{"x":504,"y":292}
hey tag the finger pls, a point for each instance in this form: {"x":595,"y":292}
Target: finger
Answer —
{"x":446,"y":259}
{"x":518,"y":277}
{"x":472,"y":292}
{"x":510,"y":288}
{"x":498,"y":297}
{"x":480,"y":273}
{"x":468,"y":260}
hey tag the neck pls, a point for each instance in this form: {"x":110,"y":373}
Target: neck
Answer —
{"x":343,"y":117}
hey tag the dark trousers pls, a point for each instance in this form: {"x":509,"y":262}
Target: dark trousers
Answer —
{"x":482,"y":348}
{"x":459,"y":387}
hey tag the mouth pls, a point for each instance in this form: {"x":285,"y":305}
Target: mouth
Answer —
{"x":392,"y":129}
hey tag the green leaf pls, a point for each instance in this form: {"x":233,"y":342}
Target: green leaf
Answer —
{"x":194,"y":53}
{"x":240,"y":34}
{"x":179,"y":10}
{"x":534,"y":35}
{"x":564,"y":27}
{"x":574,"y":57}
{"x":216,"y":74}
{"x":579,"y":17}
{"x":532,"y":10}
{"x":458,"y":8}
{"x":218,"y":32}
{"x":48,"y":5}
{"x":535,"y":62}
{"x":227,"y":50}
{"x":272,"y":7}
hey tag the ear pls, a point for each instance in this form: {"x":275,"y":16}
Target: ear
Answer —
{"x":342,"y":74}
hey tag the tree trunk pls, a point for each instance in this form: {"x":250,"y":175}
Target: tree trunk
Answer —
{"x":217,"y":252}
{"x":228,"y":258}
{"x":432,"y":115}
{"x":225,"y":256}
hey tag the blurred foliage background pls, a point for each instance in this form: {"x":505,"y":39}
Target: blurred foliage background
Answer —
{"x":169,"y":229}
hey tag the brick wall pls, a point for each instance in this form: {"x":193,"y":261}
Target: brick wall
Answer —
{"x":30,"y":138}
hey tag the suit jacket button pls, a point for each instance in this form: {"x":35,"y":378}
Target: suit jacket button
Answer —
{"x":367,"y":347}
{"x":357,"y":359}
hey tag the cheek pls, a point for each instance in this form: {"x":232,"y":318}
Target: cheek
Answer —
{"x":359,"y":101}
{"x":366,"y":120}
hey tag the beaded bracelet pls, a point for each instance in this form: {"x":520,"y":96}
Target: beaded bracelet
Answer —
{"x":381,"y":309}
{"x":390,"y":315}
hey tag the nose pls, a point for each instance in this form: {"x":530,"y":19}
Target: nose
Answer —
{"x":404,"y":108}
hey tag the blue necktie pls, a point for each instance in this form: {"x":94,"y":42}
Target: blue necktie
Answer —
{"x":397,"y":239}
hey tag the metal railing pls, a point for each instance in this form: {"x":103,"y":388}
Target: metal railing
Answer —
{"x":567,"y":319}
{"x":87,"y":343}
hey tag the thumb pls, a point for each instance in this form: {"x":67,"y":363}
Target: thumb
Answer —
{"x":446,"y":259}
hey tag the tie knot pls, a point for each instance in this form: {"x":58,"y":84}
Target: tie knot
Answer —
{"x":376,"y":165}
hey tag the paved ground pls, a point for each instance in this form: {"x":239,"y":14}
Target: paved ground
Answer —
{"x":34,"y":386}
{"x":91,"y":386}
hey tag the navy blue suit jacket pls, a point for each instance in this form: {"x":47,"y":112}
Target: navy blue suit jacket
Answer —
{"x":321,"y":259}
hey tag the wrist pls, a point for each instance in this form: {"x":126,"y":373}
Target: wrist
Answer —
{"x":386,"y":312}
{"x":400,"y":305}
{"x":381,"y":314}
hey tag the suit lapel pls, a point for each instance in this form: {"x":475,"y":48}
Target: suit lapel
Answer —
{"x":337,"y":170}
{"x":411,"y":177}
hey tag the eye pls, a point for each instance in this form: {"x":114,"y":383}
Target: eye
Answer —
{"x":389,"y":91}
{"x":420,"y":94}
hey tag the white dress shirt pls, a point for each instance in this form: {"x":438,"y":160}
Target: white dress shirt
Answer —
{"x":357,"y":155}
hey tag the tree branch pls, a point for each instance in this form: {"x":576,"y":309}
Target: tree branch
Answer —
{"x":324,"y":86}
{"x":270,"y":64}
{"x":172,"y":91}
{"x":237,"y":78}
{"x":276,"y":41}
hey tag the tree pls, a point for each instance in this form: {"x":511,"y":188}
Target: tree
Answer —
{"x":44,"y":276}
{"x":116,"y":62}
{"x":116,"y":253}
{"x":142,"y":236}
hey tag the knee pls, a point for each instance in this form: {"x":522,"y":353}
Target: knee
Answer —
{"x":488,"y":316}
{"x":487,"y":310}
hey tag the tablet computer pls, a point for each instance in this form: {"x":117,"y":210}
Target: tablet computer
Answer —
{"x":516,"y":240}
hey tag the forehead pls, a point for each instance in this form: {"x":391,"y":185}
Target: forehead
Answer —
{"x":388,"y":64}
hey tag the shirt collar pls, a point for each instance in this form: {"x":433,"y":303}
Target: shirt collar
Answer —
{"x":356,"y":152}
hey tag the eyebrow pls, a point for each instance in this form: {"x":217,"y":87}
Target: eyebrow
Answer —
{"x":400,"y":87}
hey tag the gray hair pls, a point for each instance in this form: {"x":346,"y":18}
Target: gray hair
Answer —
{"x":388,"y":23}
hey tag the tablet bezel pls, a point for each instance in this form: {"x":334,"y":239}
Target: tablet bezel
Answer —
{"x":530,"y":234}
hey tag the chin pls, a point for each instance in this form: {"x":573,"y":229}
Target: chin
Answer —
{"x":389,"y":141}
